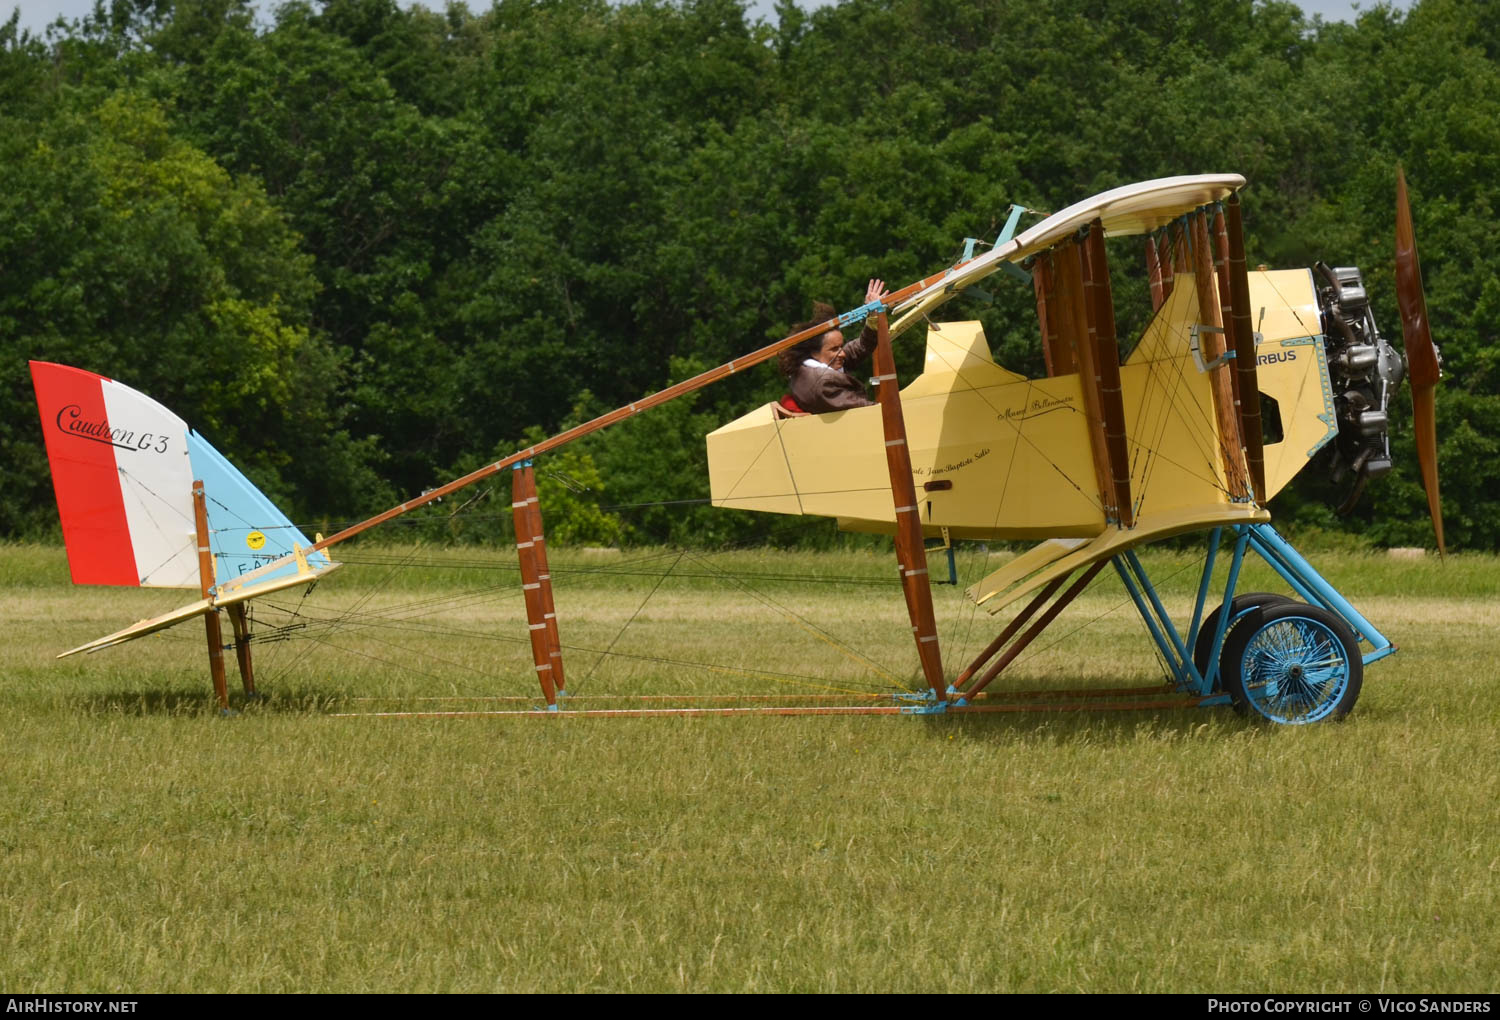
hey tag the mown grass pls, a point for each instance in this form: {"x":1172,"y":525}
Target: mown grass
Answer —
{"x":146,"y":844}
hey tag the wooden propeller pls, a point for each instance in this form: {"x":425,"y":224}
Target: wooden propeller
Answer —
{"x":1422,"y":366}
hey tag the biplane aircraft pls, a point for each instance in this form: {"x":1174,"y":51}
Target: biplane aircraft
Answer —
{"x":1238,"y":380}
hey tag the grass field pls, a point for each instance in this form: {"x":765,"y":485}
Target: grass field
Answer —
{"x":147,"y":844}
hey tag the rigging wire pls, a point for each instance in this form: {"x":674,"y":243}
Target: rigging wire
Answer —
{"x":401,"y":616}
{"x":780,"y":676}
{"x":977,"y":559}
{"x":817,"y":631}
{"x":633,"y":615}
{"x":619,"y":571}
{"x":172,"y":542}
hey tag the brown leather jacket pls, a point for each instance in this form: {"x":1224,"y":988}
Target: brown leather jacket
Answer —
{"x":820,"y":390}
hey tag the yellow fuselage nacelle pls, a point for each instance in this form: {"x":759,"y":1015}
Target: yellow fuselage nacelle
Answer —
{"x":997,"y":455}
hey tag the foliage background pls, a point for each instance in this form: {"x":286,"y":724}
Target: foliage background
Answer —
{"x":364,"y":249}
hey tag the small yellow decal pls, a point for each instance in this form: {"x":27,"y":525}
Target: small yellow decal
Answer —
{"x":255,"y":540}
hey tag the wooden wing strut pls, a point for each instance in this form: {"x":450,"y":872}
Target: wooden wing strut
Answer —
{"x":523,"y":497}
{"x":1153,"y":275}
{"x":911,"y":555}
{"x":1106,"y":367}
{"x":1212,"y":346}
{"x":1221,"y":270}
{"x":239,"y":620}
{"x":1056,"y":351}
{"x":1068,"y":309}
{"x":544,"y":578}
{"x":1243,"y":337}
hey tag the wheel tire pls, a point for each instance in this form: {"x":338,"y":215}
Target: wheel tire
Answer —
{"x":1294,"y":664}
{"x":1239,"y":606}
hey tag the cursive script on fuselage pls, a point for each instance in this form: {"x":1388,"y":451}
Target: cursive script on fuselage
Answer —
{"x":952,"y":465}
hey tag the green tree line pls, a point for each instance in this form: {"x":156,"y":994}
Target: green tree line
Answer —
{"x":364,"y":249}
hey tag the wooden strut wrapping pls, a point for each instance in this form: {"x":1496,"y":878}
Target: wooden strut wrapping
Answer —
{"x":1243,"y":337}
{"x":1106,"y":356}
{"x":1211,"y":345}
{"x":531,"y":587}
{"x":911,"y":554}
{"x":206,"y":585}
{"x":544,"y":578}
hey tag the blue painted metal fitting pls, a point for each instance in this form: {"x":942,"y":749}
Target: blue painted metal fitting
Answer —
{"x":1011,"y":222}
{"x":861,"y":313}
{"x":936,"y":708}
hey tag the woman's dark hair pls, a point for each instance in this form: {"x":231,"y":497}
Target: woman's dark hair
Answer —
{"x":788,"y":360}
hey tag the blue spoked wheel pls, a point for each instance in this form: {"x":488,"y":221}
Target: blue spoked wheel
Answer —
{"x":1293,"y":663}
{"x":1238,"y":609}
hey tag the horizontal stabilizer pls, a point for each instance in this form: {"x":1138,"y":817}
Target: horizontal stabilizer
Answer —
{"x":203,"y":606}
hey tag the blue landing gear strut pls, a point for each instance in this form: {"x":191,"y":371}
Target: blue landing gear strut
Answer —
{"x":1290,"y":664}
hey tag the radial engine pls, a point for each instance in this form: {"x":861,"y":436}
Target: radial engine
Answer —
{"x":1365,"y":371}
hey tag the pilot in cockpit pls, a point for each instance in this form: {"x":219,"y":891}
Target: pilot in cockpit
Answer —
{"x":817,"y":377}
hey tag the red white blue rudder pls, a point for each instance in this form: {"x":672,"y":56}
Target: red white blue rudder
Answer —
{"x":123,"y":467}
